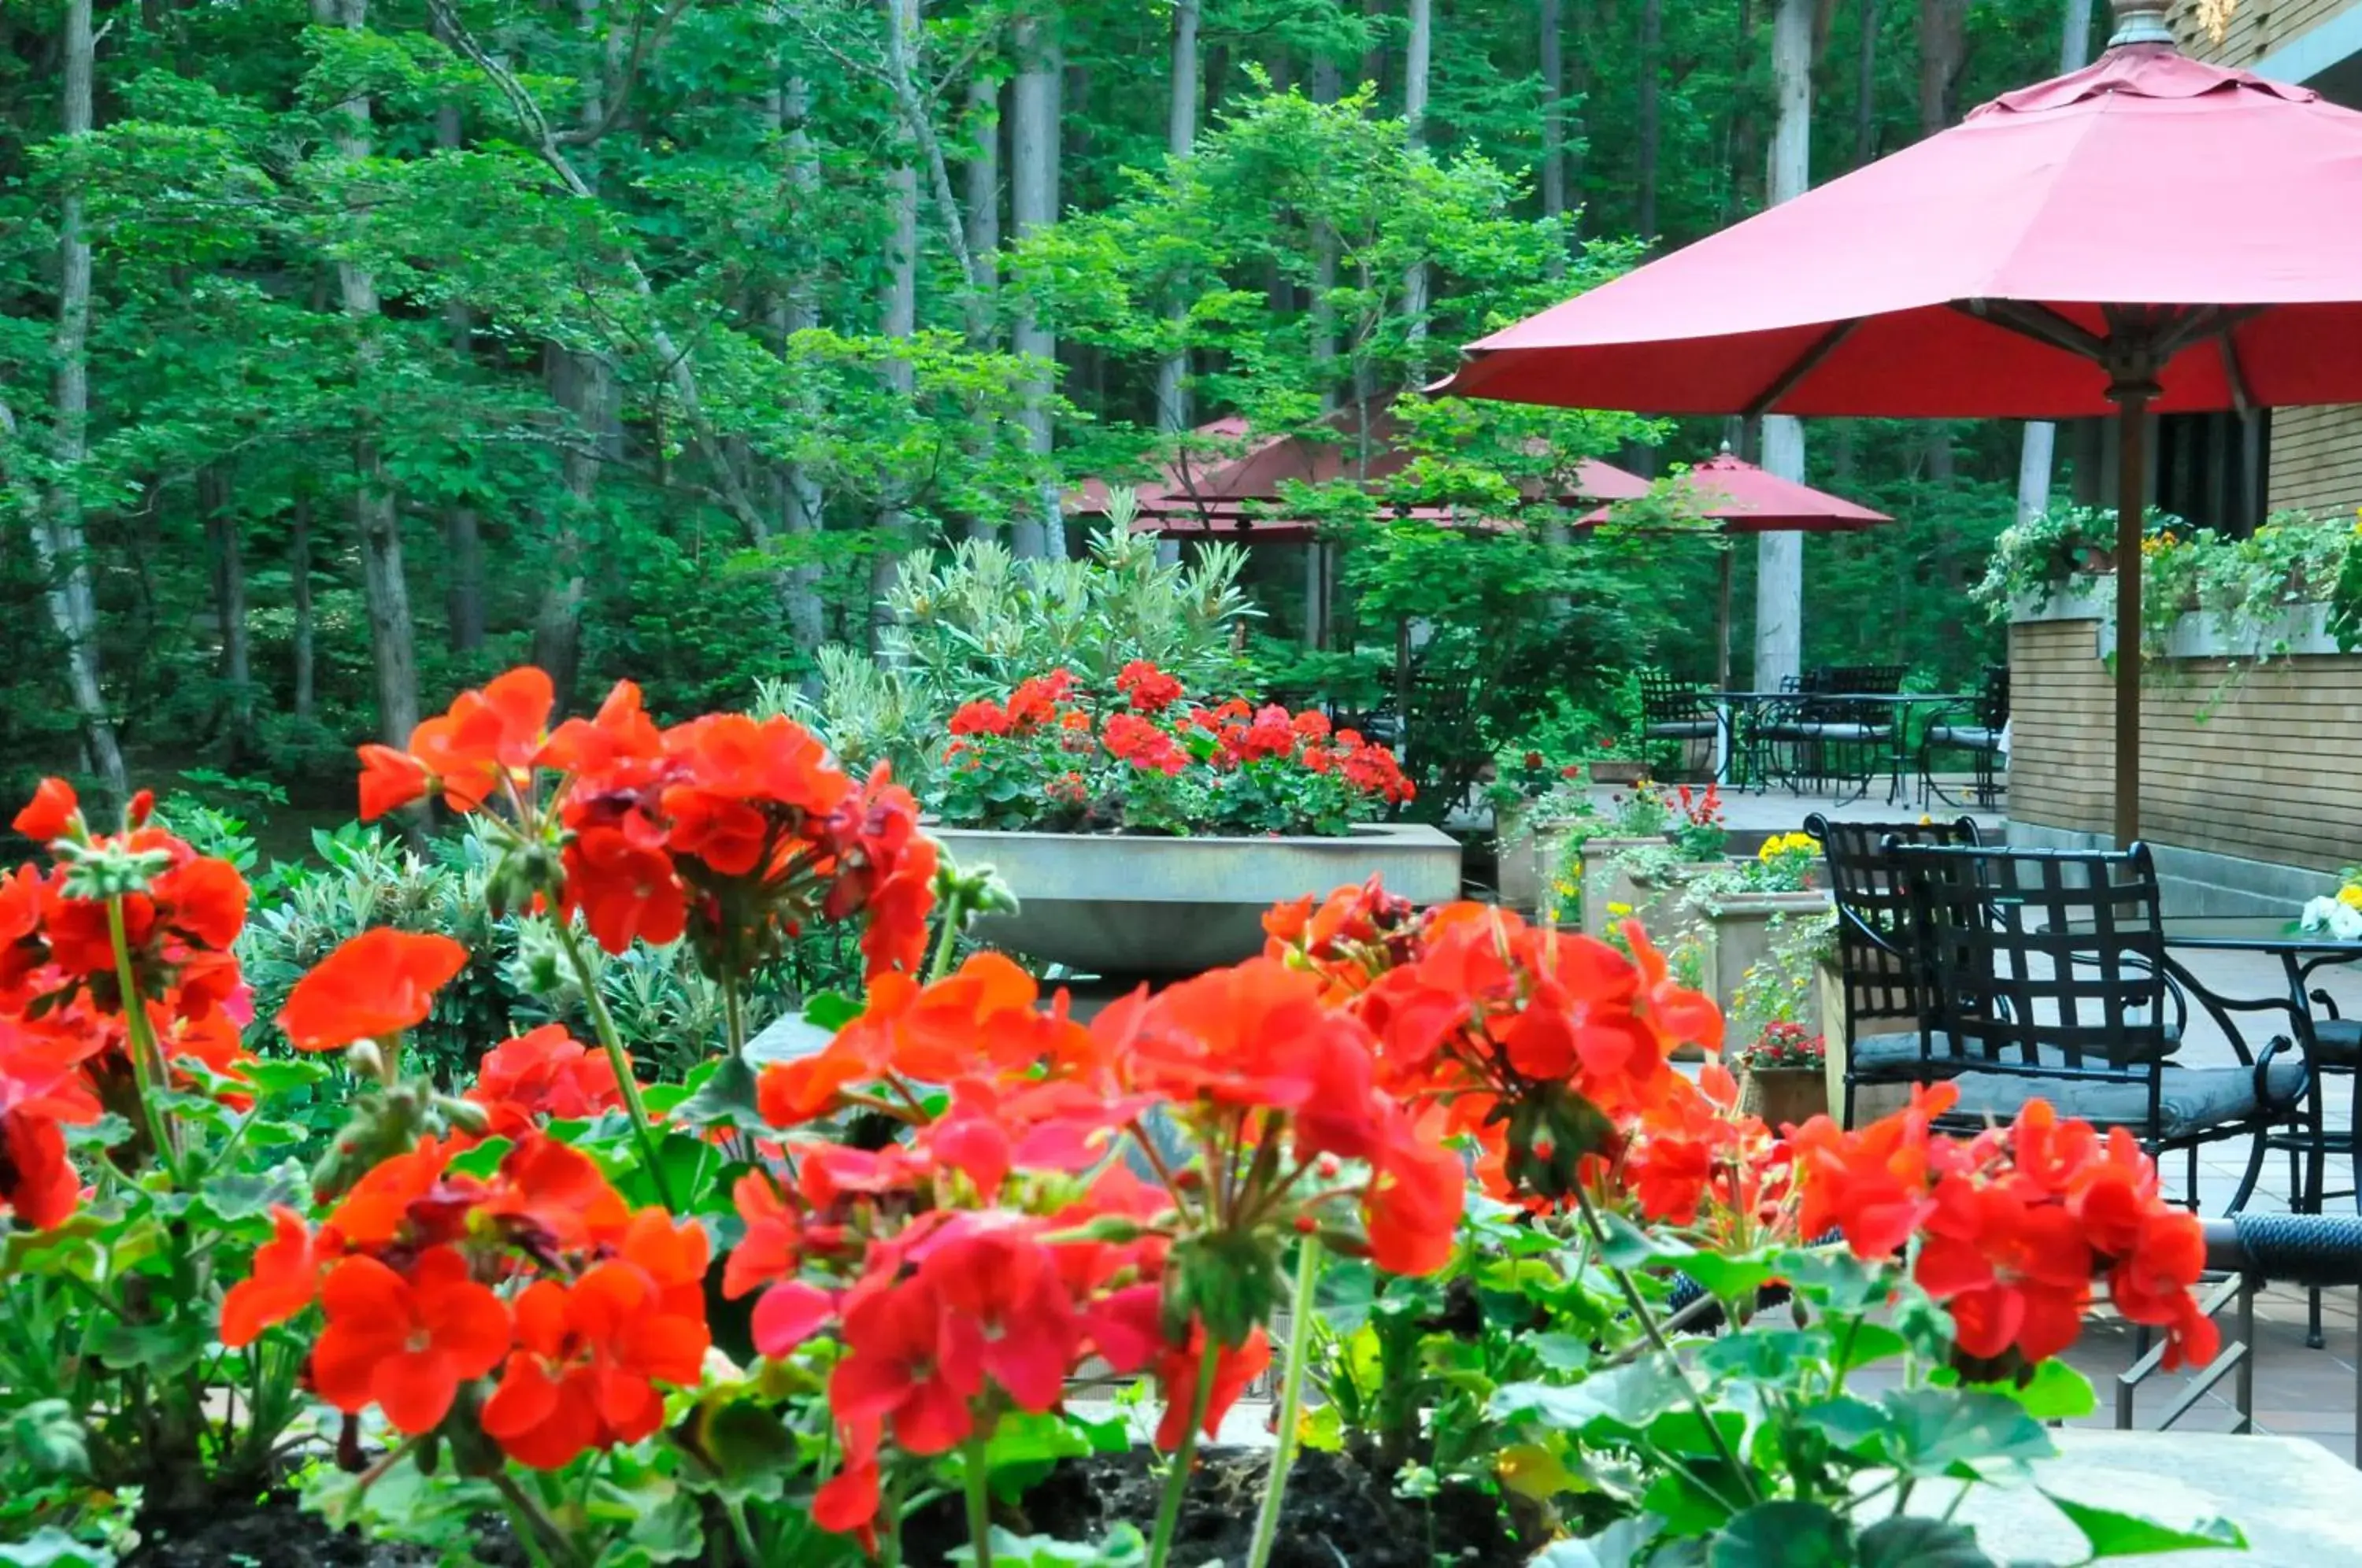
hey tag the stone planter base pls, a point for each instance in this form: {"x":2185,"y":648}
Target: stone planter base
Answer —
{"x":1784,"y":1097}
{"x":1739,"y":935}
{"x":1605,"y":771}
{"x":1603,"y":884}
{"x":1137,"y":906}
{"x":1526,"y":859}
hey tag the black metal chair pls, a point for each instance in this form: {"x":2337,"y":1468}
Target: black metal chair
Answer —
{"x":2047,"y":977}
{"x":1976,"y":730}
{"x":1884,"y":1000}
{"x":1679,"y":713}
{"x":1780,"y":743}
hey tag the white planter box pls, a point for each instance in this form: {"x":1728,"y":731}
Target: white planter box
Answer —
{"x":1127,"y":906}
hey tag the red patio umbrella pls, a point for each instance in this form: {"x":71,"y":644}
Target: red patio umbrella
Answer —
{"x":1203,"y":495}
{"x":1743,"y":499}
{"x":2150,"y":234}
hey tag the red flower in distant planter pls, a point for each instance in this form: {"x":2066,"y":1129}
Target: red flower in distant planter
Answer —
{"x":1149,"y":688}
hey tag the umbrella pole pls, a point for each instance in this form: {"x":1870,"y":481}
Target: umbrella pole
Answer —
{"x":1722,"y":645}
{"x":2131,"y":496}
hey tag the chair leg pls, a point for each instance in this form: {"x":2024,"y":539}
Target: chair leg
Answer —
{"x":2247,"y":1183}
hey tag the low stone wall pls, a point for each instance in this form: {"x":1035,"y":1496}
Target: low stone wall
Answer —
{"x":2247,"y":770}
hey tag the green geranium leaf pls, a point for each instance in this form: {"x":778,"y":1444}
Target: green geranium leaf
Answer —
{"x":1623,"y":1400}
{"x":284,"y":1075}
{"x":832,"y":1010}
{"x":483,"y":1161}
{"x":104,"y":1133}
{"x":723,"y":1097}
{"x":1919,"y":1543}
{"x":2111,"y":1534}
{"x":2056,"y":1391}
{"x":1784,"y":1535}
{"x":1762,"y":1355}
{"x":50,"y":1547}
{"x":1931,"y":1430}
{"x":1852,"y":1426}
{"x":1626,"y":1245}
{"x":1729,"y":1279}
{"x":1125,"y":1547}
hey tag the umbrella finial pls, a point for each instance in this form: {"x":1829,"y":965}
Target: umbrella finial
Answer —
{"x":2140,"y":22}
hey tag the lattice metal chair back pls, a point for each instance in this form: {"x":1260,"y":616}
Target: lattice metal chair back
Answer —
{"x":1879,"y":974}
{"x":2044,"y":961}
{"x":1677,"y":713}
{"x":2047,"y":976}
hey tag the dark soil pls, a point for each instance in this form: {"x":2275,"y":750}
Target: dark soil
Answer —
{"x":274,"y":1532}
{"x":1338,"y":1515}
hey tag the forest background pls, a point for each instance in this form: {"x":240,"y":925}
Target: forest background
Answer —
{"x":352,"y":350}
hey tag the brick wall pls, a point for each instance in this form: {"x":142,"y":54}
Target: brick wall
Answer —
{"x":2269,"y":774}
{"x":2316,"y":463}
{"x":2258,"y":26}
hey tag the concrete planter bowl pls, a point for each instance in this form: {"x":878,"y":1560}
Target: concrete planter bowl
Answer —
{"x":1739,"y":932}
{"x":1132,"y":907}
{"x":1529,"y":850}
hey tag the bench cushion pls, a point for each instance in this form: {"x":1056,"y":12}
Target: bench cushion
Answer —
{"x":1683,"y":729}
{"x":2338,"y":1042}
{"x":1968,"y":737}
{"x":2190,"y":1099}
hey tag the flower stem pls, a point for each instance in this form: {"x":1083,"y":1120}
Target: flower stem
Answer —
{"x":1291,"y":1400}
{"x":973,"y":1476}
{"x":955,"y":917}
{"x":1176,"y":1483}
{"x":1658,"y":1342}
{"x":603,"y":1022}
{"x":150,"y":1071}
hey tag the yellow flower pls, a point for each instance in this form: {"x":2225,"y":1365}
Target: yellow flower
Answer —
{"x":1619,"y":909}
{"x":2350,"y":895}
{"x":1783,"y":843}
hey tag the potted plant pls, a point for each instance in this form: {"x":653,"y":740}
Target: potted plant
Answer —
{"x":1649,"y":877}
{"x":1536,"y":809}
{"x":1636,"y":822}
{"x":1742,"y":903}
{"x":1784,"y":1076}
{"x":1145,"y":833}
{"x":1612,"y":760}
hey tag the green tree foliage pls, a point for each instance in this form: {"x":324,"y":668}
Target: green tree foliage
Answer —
{"x":618,"y":358}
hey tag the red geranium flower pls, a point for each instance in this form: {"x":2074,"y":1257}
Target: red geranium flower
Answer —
{"x":544,"y":1073}
{"x":379,"y":983}
{"x":406,"y":1344}
{"x":53,"y":813}
{"x":286,"y":1278}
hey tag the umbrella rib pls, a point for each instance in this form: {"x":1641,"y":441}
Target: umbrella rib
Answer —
{"x":2039,"y":322}
{"x":1805,"y":364}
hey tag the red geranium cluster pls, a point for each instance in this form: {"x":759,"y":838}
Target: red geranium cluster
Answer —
{"x":69,"y":1045}
{"x":1554,"y":1048}
{"x":732,"y":831}
{"x":430,"y":1279}
{"x":975,"y":1266}
{"x":2015,"y":1225}
{"x":433,"y":1272}
{"x":1145,"y":760}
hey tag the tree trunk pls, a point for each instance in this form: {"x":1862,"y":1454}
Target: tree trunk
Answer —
{"x":1551,"y":30}
{"x":463,"y":537}
{"x":795,"y":495}
{"x":1779,"y":557}
{"x":1865,"y":87}
{"x":235,"y":666}
{"x":377,"y":523}
{"x":58,"y":538}
{"x":299,"y":580}
{"x":1034,"y":204}
{"x":983,"y":126}
{"x":1180,"y":136}
{"x":1415,"y":58}
{"x":1743,"y":130}
{"x":902,"y":42}
{"x":899,"y":312}
{"x":1943,"y":41}
{"x":2036,"y":456}
{"x":1645,"y":161}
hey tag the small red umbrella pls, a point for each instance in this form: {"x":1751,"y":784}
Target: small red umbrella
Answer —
{"x":2150,"y":234}
{"x":1203,"y":495}
{"x":1743,"y":499}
